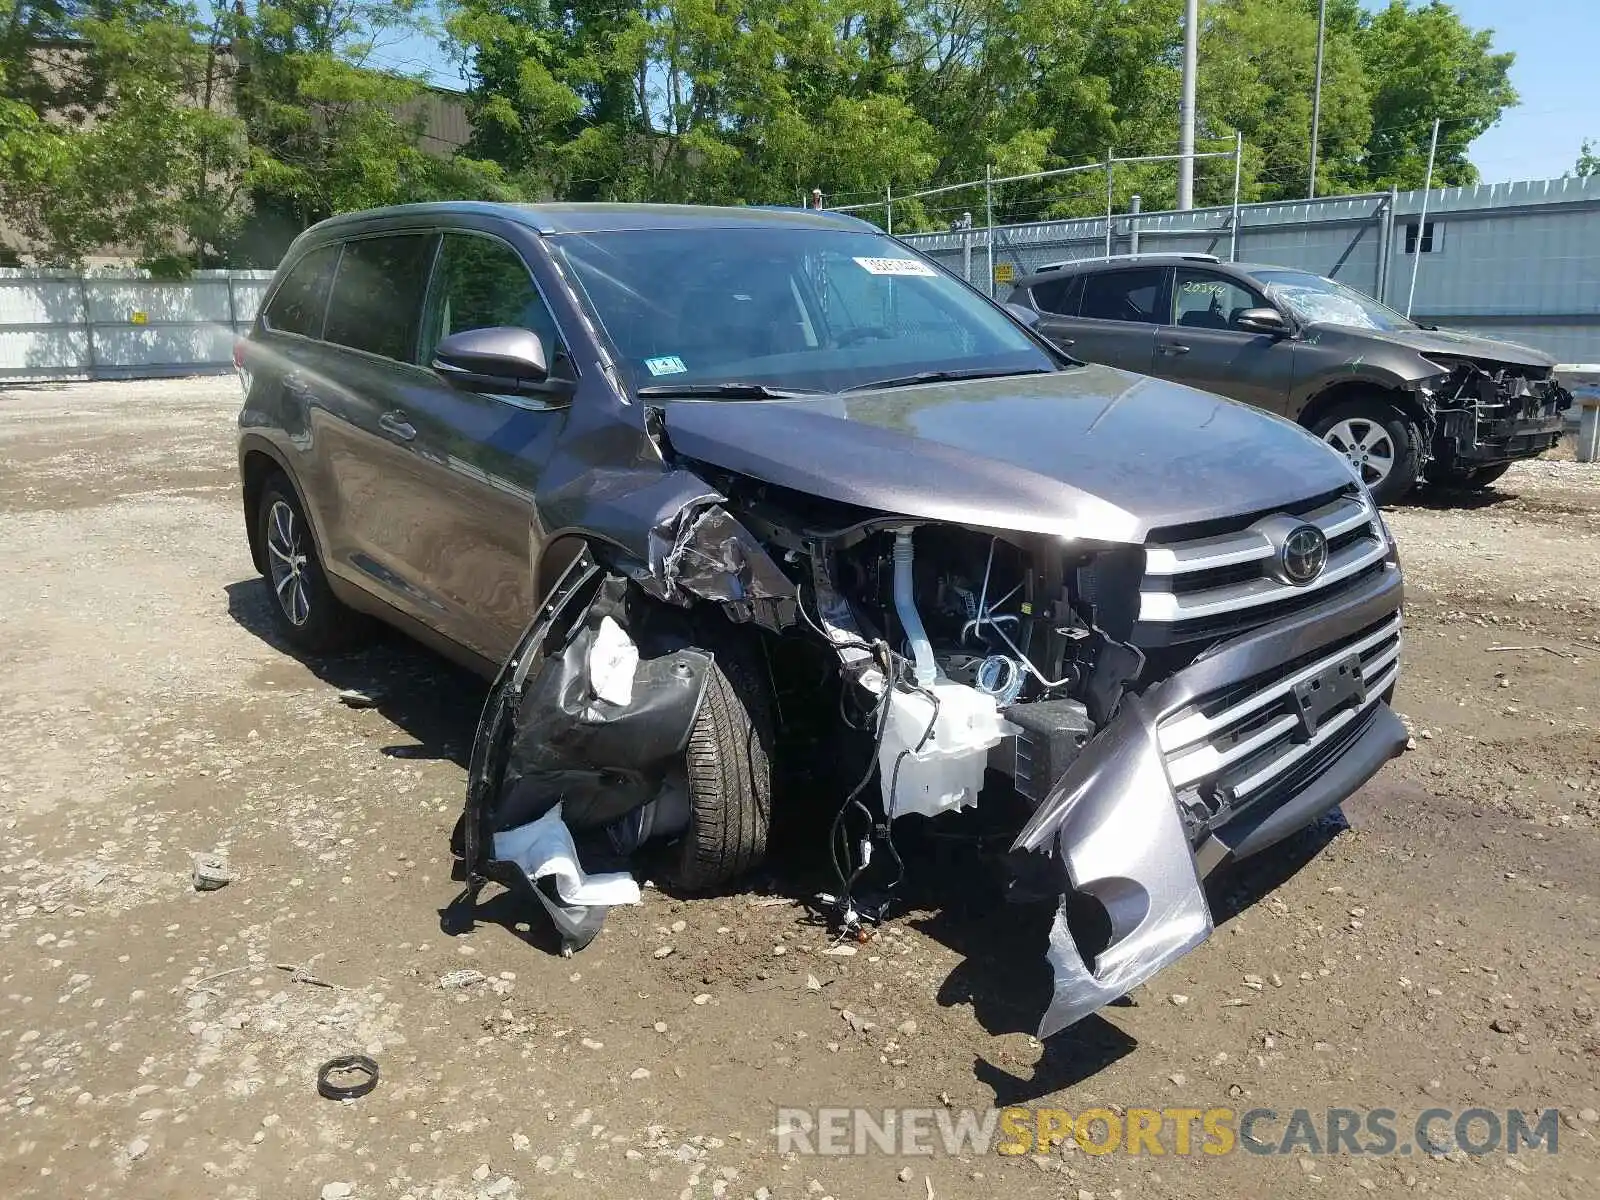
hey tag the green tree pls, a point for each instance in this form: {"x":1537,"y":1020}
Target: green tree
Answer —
{"x":326,"y":132}
{"x":1425,"y":63}
{"x":1588,"y":161}
{"x":1258,"y":72}
{"x":109,"y":133}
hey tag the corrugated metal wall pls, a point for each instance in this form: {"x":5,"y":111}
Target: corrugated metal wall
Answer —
{"x":55,"y":325}
{"x":1519,"y":261}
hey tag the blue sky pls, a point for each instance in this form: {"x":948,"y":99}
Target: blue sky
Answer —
{"x":1556,"y":43}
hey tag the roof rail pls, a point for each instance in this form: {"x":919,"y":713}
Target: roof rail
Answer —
{"x":1194,"y":256}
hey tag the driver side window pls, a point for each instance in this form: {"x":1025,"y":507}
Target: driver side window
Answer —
{"x":1202,"y":300}
{"x":479,"y":283}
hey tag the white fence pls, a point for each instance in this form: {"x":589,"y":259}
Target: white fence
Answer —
{"x":60,"y":325}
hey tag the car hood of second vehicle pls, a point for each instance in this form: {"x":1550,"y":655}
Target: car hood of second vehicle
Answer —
{"x":1454,"y":344}
{"x":1088,"y":452}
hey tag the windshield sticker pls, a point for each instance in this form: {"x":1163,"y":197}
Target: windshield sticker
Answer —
{"x":894,"y":266}
{"x":669,"y":364}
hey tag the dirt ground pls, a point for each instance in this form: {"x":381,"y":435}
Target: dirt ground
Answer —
{"x":1440,"y":949}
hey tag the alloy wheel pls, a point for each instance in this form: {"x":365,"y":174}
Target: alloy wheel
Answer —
{"x":1367,"y":445}
{"x":287,"y":560}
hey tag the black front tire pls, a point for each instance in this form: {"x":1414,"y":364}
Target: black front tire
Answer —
{"x":1470,"y":479}
{"x":304,"y":609}
{"x":1376,"y":421}
{"x":729,"y":774}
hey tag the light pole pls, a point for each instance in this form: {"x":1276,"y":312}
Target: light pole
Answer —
{"x":1191,"y":21}
{"x":1316,"y":98}
{"x":1422,"y":221}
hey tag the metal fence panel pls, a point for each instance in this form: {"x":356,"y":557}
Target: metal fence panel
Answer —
{"x":63,"y":326}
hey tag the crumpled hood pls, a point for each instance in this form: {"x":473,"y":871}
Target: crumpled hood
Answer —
{"x":1451,"y":343}
{"x":1088,"y":452}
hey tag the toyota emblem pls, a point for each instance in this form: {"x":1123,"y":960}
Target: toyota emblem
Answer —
{"x":1303,"y":555}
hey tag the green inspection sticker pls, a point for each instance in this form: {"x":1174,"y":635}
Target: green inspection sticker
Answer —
{"x":669,"y":364}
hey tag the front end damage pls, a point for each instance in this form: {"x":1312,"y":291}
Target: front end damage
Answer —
{"x":1487,"y":413}
{"x":1160,"y":708}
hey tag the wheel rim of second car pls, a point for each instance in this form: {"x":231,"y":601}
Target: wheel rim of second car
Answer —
{"x":1367,"y":445}
{"x":288,"y":563}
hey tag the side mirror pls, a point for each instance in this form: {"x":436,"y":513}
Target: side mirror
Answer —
{"x":501,"y":358}
{"x":1262,"y":320}
{"x":1023,"y":313}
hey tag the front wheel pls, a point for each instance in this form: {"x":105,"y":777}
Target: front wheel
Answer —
{"x":729,"y":775}
{"x":1379,"y":441}
{"x":1470,"y":479}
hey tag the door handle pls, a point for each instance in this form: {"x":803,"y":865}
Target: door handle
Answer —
{"x":395,"y":424}
{"x":1173,"y":348}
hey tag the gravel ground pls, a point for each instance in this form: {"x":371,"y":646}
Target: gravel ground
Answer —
{"x":1441,"y":948}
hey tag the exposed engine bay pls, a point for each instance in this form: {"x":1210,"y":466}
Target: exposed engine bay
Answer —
{"x":1487,"y":412}
{"x":1005,"y":668}
{"x":943,"y":662}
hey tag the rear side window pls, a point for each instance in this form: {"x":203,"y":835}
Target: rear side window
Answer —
{"x":1123,"y":295}
{"x":1059,"y":296}
{"x":298,"y":304}
{"x":377,"y":295}
{"x":480,"y":283}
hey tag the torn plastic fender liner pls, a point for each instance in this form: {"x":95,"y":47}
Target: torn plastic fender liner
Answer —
{"x":705,"y":553}
{"x":1113,"y":823}
{"x":547,"y":736}
{"x":576,"y":901}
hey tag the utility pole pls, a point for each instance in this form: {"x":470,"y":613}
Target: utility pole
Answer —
{"x":1111,"y":164}
{"x":1233,"y":220}
{"x":988,"y":223}
{"x":1191,"y":21}
{"x":1316,"y":98}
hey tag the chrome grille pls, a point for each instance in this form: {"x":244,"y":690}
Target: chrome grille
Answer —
{"x":1220,"y":583}
{"x":1226,"y":749}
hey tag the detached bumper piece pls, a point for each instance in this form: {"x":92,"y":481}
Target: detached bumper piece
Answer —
{"x":1254,"y":741}
{"x":1113,"y":823}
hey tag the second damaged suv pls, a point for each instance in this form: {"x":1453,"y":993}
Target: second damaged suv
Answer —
{"x":1400,"y":400}
{"x":707,"y":490}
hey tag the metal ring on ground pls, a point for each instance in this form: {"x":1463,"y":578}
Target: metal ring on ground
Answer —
{"x":346,"y":1062}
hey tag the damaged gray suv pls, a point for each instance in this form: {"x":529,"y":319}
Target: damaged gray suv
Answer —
{"x":717,"y":493}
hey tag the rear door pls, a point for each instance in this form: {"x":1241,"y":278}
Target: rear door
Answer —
{"x":482,"y":455}
{"x":1117,"y":315}
{"x":284,"y":366}
{"x":1056,"y":302}
{"x":1202,"y":345}
{"x":376,"y":500}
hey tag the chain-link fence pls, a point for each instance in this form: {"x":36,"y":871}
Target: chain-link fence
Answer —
{"x":984,"y":250}
{"x":1346,"y":238}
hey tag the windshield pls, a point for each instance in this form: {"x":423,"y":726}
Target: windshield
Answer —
{"x":786,"y":307}
{"x":1316,"y":300}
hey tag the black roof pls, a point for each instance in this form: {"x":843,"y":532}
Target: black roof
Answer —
{"x":558,"y":218}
